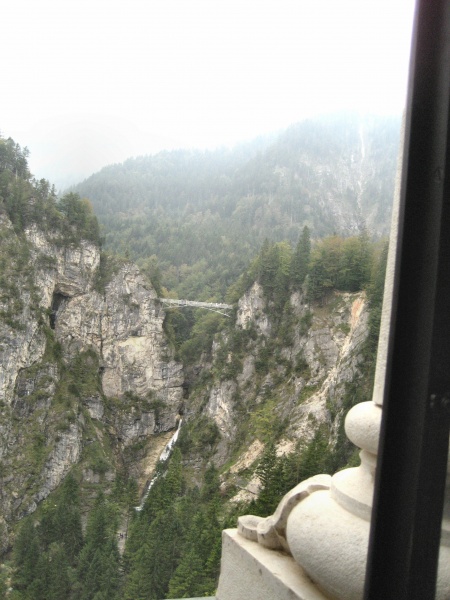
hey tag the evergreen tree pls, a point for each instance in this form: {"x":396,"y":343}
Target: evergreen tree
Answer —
{"x":37,"y":588}
{"x":281,"y":284}
{"x":80,"y":218}
{"x":324,"y":267}
{"x":3,"y":586}
{"x":58,"y":581}
{"x":267,"y":268}
{"x":173,"y":480}
{"x":61,"y":522}
{"x":198,"y":569}
{"x":26,"y":556}
{"x":156,"y":537}
{"x":155,"y":562}
{"x":270,"y":474}
{"x":355,"y":262}
{"x":188,"y":578}
{"x":316,"y":457}
{"x":300,"y":259}
{"x":99,"y":561}
{"x":45,"y":553}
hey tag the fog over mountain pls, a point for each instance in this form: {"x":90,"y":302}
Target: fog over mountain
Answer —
{"x":200,"y":216}
{"x":89,"y":85}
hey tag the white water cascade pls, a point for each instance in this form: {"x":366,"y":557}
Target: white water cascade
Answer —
{"x":162,"y":458}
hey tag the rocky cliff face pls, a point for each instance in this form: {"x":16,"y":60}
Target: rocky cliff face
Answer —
{"x":85,"y":375}
{"x":88,"y":382}
{"x":55,"y":273}
{"x":273,"y":380}
{"x":125,"y":328}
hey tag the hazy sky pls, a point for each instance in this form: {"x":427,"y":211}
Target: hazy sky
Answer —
{"x":88,"y":82}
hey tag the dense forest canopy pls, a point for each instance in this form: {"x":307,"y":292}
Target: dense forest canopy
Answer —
{"x":194,"y":220}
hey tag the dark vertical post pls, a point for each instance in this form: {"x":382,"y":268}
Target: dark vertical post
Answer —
{"x":410,"y":482}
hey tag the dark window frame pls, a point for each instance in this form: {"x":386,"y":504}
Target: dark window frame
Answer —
{"x":412,"y":463}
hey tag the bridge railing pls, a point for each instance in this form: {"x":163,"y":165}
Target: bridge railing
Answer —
{"x":214,"y":306}
{"x":195,"y":304}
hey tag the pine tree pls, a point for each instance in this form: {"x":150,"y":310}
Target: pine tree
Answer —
{"x":317,"y":456}
{"x":198,"y":569}
{"x":271,"y":477}
{"x":155,"y":562}
{"x":99,"y":561}
{"x":3,"y":586}
{"x":281,"y":283}
{"x":58,"y":581}
{"x":355,"y":262}
{"x":37,"y":589}
{"x":324,"y":267}
{"x":300,"y":259}
{"x":188,"y":578}
{"x":26,"y":556}
{"x":173,"y":480}
{"x":267,"y":268}
{"x":61,"y":522}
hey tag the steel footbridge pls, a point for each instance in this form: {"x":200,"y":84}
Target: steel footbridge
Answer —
{"x":213,"y":306}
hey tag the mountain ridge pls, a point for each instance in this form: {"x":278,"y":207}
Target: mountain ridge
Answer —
{"x":194,"y":220}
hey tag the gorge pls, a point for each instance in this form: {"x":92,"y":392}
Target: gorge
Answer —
{"x":94,"y":384}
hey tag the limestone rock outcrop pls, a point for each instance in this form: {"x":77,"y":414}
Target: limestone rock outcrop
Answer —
{"x":272,"y":380}
{"x":251,"y":310}
{"x":85,"y":372}
{"x":326,"y":355}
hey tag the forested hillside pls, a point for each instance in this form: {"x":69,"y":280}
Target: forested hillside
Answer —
{"x":193,"y":220}
{"x":95,"y":375}
{"x":268,"y":393}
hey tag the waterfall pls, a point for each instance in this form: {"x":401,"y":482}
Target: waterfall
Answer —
{"x":162,"y":458}
{"x":170,"y":444}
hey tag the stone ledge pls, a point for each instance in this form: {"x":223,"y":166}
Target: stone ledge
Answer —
{"x":251,"y":572}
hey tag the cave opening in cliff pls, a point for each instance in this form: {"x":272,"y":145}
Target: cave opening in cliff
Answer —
{"x":57,"y":300}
